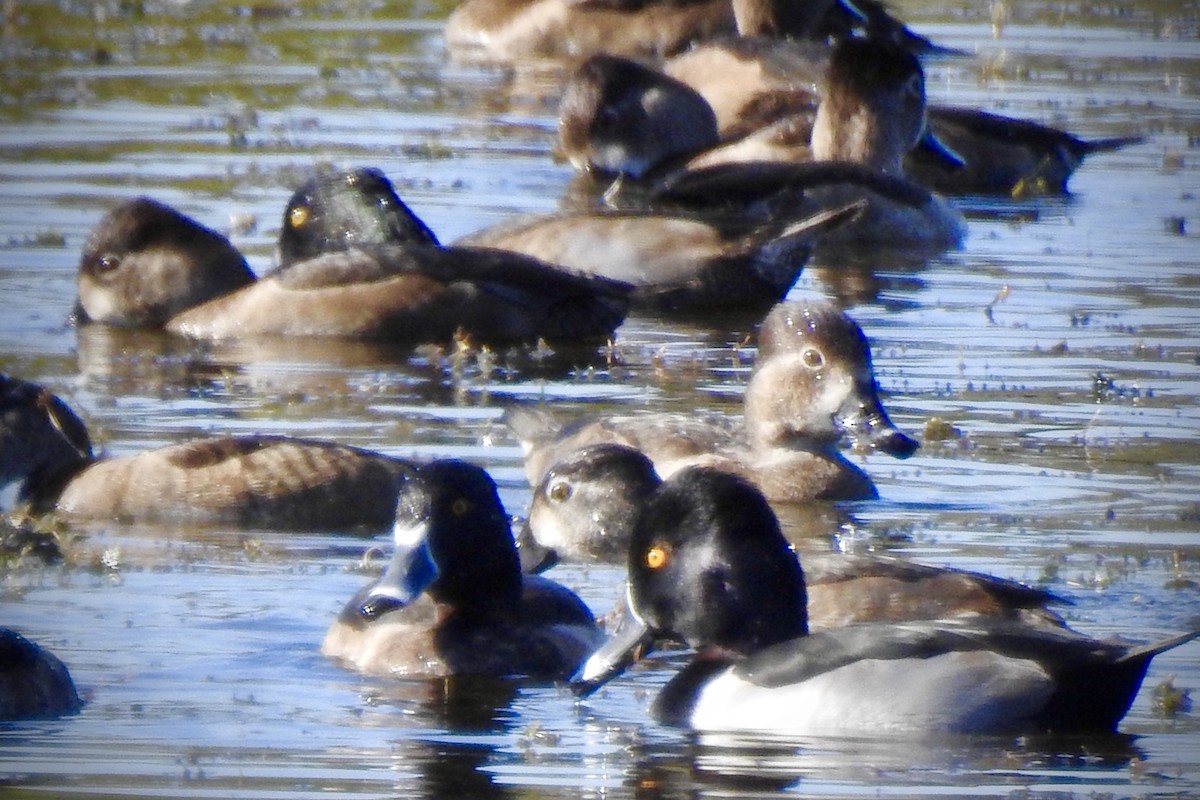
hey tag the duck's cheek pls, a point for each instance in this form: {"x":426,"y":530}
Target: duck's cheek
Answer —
{"x":952,"y":693}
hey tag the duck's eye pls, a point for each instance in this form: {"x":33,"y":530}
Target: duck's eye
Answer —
{"x":107,"y":263}
{"x":559,"y":491}
{"x":658,"y":556}
{"x":460,"y":507}
{"x":812,"y":358}
{"x":298,"y":216}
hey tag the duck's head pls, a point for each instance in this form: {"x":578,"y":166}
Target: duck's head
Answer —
{"x":342,"y":209}
{"x":144,"y":262}
{"x":709,"y":566}
{"x":39,"y":434}
{"x":452,"y":541}
{"x":813,"y":383}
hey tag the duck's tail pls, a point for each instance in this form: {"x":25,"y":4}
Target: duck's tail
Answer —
{"x":1090,"y":146}
{"x":1149,"y":651}
{"x":803,"y":234}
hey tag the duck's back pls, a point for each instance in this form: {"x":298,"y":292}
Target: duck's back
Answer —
{"x":268,"y":481}
{"x":547,"y":637}
{"x":511,"y":30}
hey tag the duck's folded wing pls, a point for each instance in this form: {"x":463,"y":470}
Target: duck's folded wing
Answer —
{"x":831,"y":570}
{"x":807,"y":657}
{"x":723,"y":184}
{"x":495,"y":270}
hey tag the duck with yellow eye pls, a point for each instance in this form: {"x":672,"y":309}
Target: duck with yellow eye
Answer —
{"x":812,"y":385}
{"x":709,"y":566}
{"x":355,"y":263}
{"x":585,"y":510}
{"x":452,"y":600}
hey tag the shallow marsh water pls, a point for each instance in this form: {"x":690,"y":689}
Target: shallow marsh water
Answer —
{"x":1063,"y":342}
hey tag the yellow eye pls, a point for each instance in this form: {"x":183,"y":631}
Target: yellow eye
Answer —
{"x":658,"y":556}
{"x":559,"y":491}
{"x":812,"y":358}
{"x":460,"y":507}
{"x":298,"y":216}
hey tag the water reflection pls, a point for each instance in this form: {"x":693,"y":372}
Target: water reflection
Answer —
{"x":750,"y":764}
{"x":472,"y":712}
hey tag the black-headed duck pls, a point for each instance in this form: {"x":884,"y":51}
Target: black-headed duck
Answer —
{"x":586,"y":505}
{"x":34,"y":683}
{"x":453,"y":600}
{"x":708,"y":565}
{"x":812,"y":384}
{"x":252,"y":481}
{"x":404,"y":289}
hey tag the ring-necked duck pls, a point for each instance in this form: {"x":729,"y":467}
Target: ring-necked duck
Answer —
{"x":708,"y":565}
{"x":812,"y":384}
{"x":621,"y":117}
{"x":675,"y":263}
{"x":34,"y":683}
{"x":405,"y":288}
{"x":259,"y":481}
{"x":586,"y":505}
{"x":452,"y":600}
{"x":512,"y":30}
{"x":871,"y":115}
{"x":679,"y":262}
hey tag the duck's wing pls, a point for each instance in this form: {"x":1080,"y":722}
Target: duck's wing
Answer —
{"x":985,"y":675}
{"x":415,"y":293}
{"x":260,"y":481}
{"x":846,"y":588}
{"x":745,"y":183}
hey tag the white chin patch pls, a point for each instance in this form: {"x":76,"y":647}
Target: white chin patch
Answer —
{"x":408,"y":535}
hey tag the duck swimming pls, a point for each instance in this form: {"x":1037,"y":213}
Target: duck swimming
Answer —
{"x":585,"y":508}
{"x":872,"y":114}
{"x":708,"y":565}
{"x":516,"y":30}
{"x":147,"y":265}
{"x":251,"y":481}
{"x":452,"y":600}
{"x":812,"y":384}
{"x":754,"y":99}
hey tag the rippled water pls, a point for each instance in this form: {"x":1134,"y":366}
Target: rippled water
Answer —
{"x":1063,"y":340}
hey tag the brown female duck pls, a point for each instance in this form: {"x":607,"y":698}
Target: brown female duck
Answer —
{"x":395,"y":283}
{"x":812,"y":384}
{"x":622,"y":117}
{"x":251,"y":481}
{"x":586,"y":506}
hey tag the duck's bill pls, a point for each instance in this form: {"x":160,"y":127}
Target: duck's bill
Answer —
{"x":411,"y":571}
{"x":622,"y":649}
{"x":863,"y":417}
{"x":535,"y":557}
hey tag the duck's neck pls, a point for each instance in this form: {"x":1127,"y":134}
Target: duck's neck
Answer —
{"x":769,"y":416}
{"x":854,"y":134}
{"x":43,"y":487}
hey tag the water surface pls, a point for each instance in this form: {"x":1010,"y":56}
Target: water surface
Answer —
{"x":1063,"y":342}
